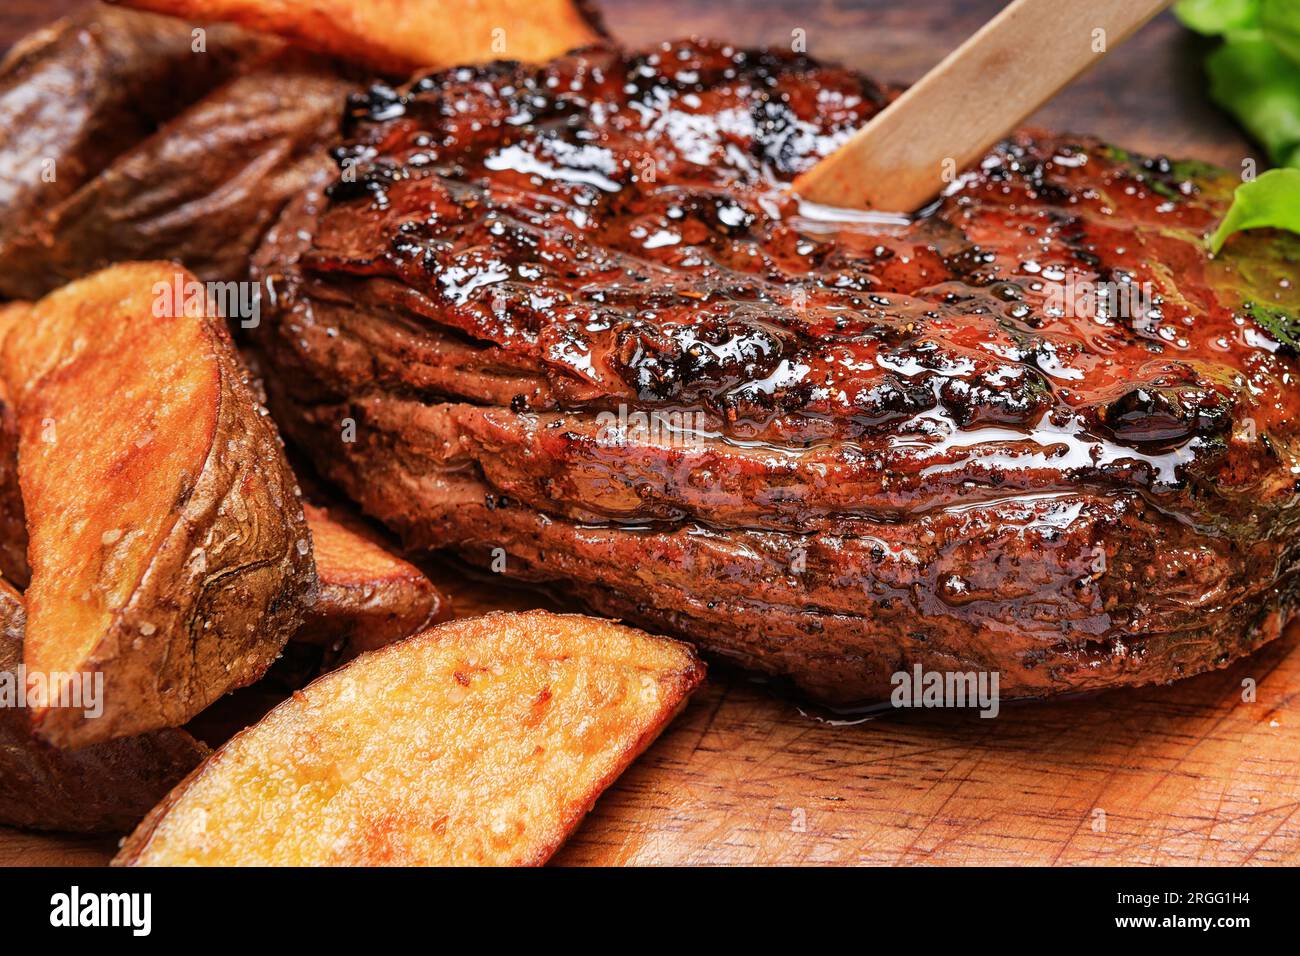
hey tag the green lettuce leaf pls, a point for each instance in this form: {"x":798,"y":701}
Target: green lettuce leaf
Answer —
{"x":1271,"y":200}
{"x":1280,"y":21}
{"x":1257,"y":83}
{"x":1213,"y":17}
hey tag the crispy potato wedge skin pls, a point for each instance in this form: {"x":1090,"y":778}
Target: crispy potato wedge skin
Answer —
{"x":203,"y":188}
{"x":167,"y":543}
{"x":400,"y":36}
{"x":482,"y":741}
{"x":84,"y":90}
{"x":368,"y":596}
{"x":104,"y":788}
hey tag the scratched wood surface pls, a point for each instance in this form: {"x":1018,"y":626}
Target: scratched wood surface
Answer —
{"x":1185,"y":774}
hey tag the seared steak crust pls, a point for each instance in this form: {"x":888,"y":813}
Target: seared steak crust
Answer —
{"x":570,"y":320}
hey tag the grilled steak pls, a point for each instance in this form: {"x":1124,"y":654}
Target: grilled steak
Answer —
{"x":568,"y":321}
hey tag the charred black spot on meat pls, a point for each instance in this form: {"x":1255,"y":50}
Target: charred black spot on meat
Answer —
{"x":997,"y":397}
{"x":371,"y":181}
{"x":1164,"y":413}
{"x":378,"y":104}
{"x":671,"y":361}
{"x":975,"y":266}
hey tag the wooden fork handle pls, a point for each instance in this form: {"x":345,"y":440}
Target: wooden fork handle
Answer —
{"x":980,"y":92}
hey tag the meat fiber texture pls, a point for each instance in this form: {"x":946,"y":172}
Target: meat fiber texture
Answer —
{"x":569,"y":321}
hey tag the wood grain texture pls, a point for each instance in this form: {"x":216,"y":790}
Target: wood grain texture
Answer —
{"x":1184,"y":774}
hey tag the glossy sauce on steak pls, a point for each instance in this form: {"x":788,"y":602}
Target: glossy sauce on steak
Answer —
{"x":570,"y":320}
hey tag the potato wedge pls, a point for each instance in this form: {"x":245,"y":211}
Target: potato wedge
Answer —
{"x":368,"y":596}
{"x":202,"y":189}
{"x":482,"y":741}
{"x":400,"y":36}
{"x":104,"y":788}
{"x":167,"y":544}
{"x":85,"y":89}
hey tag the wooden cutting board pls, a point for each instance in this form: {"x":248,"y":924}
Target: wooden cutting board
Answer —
{"x":1185,"y":774}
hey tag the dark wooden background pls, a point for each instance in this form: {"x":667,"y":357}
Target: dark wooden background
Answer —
{"x":1177,"y":775}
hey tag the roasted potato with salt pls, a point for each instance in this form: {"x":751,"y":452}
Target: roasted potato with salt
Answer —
{"x":104,"y":788}
{"x":482,"y":741}
{"x":400,"y":36}
{"x":167,"y":544}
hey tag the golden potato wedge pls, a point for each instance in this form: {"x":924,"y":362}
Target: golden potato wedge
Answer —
{"x":482,"y":741}
{"x":167,"y":544}
{"x":400,"y":36}
{"x":368,"y":596}
{"x":104,"y":788}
